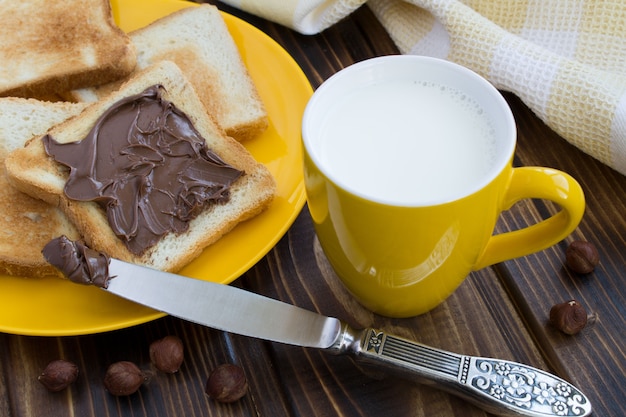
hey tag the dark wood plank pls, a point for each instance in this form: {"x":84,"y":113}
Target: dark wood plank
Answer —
{"x":595,"y":359}
{"x":465,"y":323}
{"x":182,"y":393}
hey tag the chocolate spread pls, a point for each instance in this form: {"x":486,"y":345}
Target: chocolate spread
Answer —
{"x":78,"y":262}
{"x":147,"y":166}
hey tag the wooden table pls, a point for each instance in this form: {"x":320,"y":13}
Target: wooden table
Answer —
{"x":499,"y":312}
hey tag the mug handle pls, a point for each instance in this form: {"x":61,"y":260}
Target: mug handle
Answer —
{"x":543,"y":183}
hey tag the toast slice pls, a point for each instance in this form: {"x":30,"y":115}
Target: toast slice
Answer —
{"x":49,"y":47}
{"x":27,"y":223}
{"x":32,"y":171}
{"x":198,"y":41}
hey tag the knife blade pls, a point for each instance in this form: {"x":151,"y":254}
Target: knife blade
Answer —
{"x":498,"y":386}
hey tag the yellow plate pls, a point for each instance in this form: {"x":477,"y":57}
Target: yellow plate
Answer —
{"x":54,"y":307}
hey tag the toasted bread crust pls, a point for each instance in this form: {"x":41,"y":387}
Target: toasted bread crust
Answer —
{"x":52,"y":47}
{"x":33,"y":172}
{"x":26,"y":223}
{"x":198,"y":41}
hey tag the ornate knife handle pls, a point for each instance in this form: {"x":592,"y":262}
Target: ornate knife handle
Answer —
{"x":497,"y":386}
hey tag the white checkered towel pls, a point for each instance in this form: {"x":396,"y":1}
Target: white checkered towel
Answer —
{"x":566,"y":59}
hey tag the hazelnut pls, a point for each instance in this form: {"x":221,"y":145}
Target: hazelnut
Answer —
{"x":167,"y":354}
{"x":569,"y":317}
{"x":58,"y":375}
{"x":123,"y":378}
{"x":227,"y":383}
{"x":581,"y":257}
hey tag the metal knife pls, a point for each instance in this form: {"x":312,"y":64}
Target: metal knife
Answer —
{"x":497,"y":386}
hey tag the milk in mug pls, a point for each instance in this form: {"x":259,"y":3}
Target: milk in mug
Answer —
{"x":407,"y":142}
{"x":407,"y":167}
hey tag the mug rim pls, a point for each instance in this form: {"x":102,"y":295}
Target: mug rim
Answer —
{"x":503,"y":160}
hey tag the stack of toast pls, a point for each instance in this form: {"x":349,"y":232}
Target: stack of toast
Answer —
{"x":194,"y":62}
{"x":49,"y":47}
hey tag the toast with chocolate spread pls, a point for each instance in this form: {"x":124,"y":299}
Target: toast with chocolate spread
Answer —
{"x":50,"y":47}
{"x":198,"y":41}
{"x":145,"y":174}
{"x":27,"y":224}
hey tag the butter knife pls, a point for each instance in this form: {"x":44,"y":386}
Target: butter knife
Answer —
{"x":498,"y":386}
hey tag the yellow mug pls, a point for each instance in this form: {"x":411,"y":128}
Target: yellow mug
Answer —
{"x":408,"y":164}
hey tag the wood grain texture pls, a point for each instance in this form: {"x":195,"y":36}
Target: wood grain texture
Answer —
{"x":596,"y":357}
{"x":497,"y":312}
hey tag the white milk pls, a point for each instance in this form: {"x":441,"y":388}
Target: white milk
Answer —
{"x":407,"y":143}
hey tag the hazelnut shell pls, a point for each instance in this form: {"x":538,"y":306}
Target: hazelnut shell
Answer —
{"x":569,"y":317}
{"x":123,"y":378}
{"x":167,"y":354}
{"x":227,"y":383}
{"x":58,"y":375}
{"x":582,"y":257}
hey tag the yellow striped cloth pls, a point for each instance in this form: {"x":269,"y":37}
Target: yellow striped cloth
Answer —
{"x":566,"y":59}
